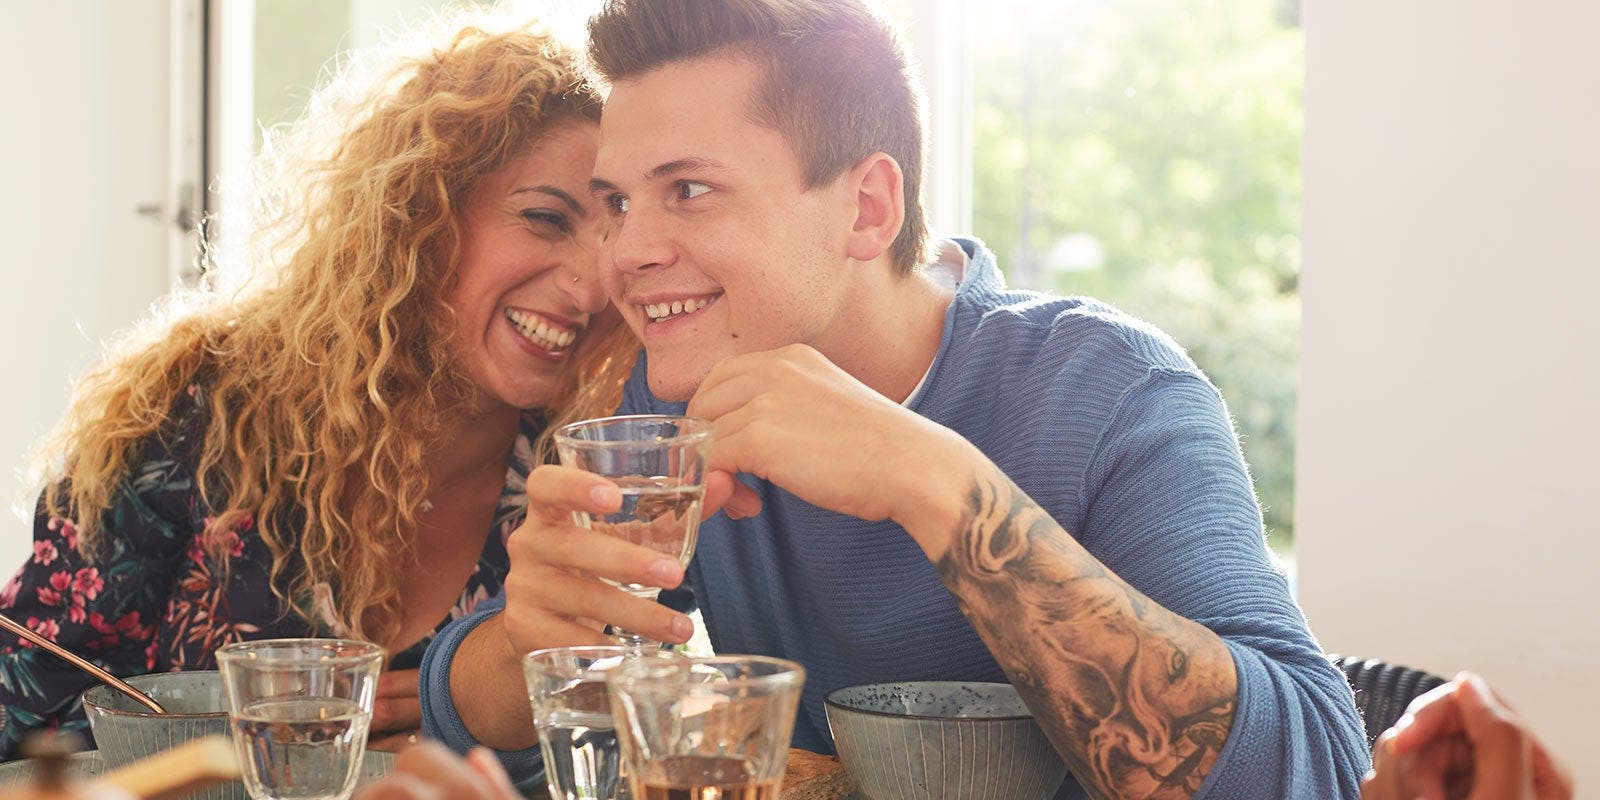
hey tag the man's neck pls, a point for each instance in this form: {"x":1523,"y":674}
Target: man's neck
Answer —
{"x":890,"y":337}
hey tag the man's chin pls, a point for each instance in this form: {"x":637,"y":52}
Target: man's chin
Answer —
{"x":673,"y":386}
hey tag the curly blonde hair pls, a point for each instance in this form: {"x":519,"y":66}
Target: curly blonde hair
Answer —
{"x":326,"y":376}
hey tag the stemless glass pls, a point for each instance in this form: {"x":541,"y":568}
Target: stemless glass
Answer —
{"x":659,"y":463}
{"x":705,"y":728}
{"x":567,"y":688}
{"x":300,"y":709}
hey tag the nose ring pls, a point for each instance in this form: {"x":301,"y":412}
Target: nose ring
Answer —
{"x":575,"y":278}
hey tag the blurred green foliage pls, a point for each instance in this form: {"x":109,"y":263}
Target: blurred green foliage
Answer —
{"x":1147,"y":152}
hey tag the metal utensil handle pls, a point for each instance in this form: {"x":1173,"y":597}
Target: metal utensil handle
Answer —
{"x":77,"y":661}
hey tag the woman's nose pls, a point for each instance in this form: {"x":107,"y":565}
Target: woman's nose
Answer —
{"x":581,"y":282}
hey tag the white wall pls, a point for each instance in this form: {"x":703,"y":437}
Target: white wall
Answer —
{"x":1448,"y":436}
{"x":83,"y":144}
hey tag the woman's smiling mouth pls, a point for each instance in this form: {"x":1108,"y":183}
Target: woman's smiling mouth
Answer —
{"x":540,"y":331}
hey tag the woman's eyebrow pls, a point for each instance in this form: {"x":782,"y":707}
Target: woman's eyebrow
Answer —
{"x":567,"y":199}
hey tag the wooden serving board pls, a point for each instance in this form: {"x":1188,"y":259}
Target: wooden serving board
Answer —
{"x":809,"y":776}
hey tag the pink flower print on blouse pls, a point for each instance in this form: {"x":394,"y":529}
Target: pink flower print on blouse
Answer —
{"x":8,"y":595}
{"x":44,"y":553}
{"x":48,"y":628}
{"x":59,"y":582}
{"x":69,"y":534}
{"x":87,"y":584}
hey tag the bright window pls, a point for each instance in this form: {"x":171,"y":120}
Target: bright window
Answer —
{"x":1145,"y":152}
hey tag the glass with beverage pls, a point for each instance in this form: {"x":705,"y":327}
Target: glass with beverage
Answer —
{"x":567,"y":687}
{"x":659,"y":463}
{"x":299,"y":710}
{"x":705,"y":728}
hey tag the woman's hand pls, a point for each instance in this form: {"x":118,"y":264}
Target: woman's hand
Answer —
{"x":554,"y":595}
{"x":396,"y":711}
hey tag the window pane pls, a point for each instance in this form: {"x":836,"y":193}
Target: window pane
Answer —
{"x":295,"y":40}
{"x":1147,"y":152}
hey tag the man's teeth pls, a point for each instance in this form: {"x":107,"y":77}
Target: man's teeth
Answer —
{"x":538,"y":332}
{"x":660,"y":311}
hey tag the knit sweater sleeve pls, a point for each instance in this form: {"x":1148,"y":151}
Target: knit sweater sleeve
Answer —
{"x":1170,"y":508}
{"x":441,"y":720}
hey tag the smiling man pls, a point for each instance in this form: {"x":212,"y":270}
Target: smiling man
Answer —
{"x":943,"y":479}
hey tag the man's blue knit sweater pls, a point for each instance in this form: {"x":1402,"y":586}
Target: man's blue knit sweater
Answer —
{"x":1106,"y":424}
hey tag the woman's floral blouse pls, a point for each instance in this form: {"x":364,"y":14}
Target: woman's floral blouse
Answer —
{"x":158,"y":602}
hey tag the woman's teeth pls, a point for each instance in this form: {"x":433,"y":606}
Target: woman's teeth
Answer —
{"x":660,"y":311}
{"x":537,"y":331}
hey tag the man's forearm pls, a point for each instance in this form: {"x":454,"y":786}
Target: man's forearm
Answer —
{"x":1137,"y":699}
{"x":487,"y":687}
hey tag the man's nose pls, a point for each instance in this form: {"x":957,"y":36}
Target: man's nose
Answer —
{"x":638,"y":241}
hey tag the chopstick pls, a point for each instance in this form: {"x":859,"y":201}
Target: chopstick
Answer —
{"x":195,"y":765}
{"x":77,"y":661}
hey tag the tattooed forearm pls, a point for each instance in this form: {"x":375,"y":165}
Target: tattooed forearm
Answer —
{"x":1137,"y":699}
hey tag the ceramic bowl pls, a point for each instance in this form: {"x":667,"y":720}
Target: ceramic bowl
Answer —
{"x":125,"y":731}
{"x":942,"y":741}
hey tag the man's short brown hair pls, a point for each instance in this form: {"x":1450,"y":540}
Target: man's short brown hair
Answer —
{"x":836,"y":82}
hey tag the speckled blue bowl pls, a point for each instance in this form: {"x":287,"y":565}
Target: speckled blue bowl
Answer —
{"x":942,"y":741}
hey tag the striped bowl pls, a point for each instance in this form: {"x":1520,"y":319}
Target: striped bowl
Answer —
{"x":942,"y":741}
{"x":125,"y":731}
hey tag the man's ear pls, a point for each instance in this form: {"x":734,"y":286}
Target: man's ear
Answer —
{"x":880,"y":206}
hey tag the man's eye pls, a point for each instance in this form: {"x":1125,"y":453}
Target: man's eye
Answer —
{"x":617,"y":203}
{"x":689,"y":190}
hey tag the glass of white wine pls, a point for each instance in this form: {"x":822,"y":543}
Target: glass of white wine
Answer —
{"x":300,"y":710}
{"x":659,"y":463}
{"x":705,"y":728}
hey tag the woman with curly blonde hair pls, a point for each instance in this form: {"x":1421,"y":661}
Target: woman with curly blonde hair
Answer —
{"x":338,"y":447}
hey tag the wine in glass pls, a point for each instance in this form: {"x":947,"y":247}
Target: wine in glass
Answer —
{"x":659,"y":464}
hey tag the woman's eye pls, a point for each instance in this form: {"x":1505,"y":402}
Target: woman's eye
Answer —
{"x":689,"y":190}
{"x":617,"y":203}
{"x":552,"y":218}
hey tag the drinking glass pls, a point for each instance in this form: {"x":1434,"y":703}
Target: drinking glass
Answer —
{"x":659,"y":463}
{"x":572,"y":713}
{"x":299,"y":710}
{"x":713,"y":728}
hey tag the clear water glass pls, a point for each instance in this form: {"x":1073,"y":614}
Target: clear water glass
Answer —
{"x":572,"y":712}
{"x":299,"y":710}
{"x":659,"y":463}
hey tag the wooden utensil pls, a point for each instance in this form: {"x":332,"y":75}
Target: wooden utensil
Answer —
{"x":77,"y":661}
{"x":198,"y":764}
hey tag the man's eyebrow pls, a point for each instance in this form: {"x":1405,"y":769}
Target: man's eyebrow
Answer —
{"x":688,"y":164}
{"x":567,"y":199}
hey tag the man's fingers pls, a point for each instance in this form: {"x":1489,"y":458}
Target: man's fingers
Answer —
{"x":1429,"y":716}
{"x":1551,"y":779}
{"x":744,"y":502}
{"x":1502,"y":747}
